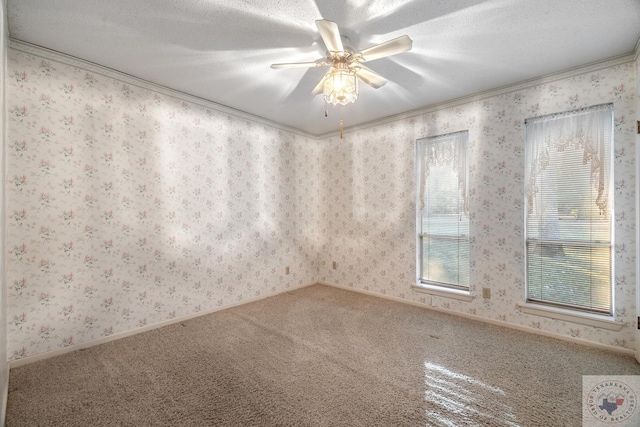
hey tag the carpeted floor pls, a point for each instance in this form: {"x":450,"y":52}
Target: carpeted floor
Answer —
{"x":316,"y":356}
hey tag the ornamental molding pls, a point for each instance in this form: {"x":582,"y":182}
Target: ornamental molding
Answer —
{"x":73,"y":61}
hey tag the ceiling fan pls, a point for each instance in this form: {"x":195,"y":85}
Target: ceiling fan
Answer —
{"x":340,"y":83}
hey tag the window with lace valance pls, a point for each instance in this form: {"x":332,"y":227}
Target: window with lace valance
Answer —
{"x":568,"y":174}
{"x":443,"y":211}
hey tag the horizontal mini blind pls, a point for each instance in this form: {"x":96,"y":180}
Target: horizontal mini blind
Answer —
{"x":443,"y":214}
{"x":568,"y":221}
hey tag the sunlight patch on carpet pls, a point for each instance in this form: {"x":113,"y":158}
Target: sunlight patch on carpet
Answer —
{"x":453,"y":397}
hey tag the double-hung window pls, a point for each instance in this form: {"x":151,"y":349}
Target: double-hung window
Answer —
{"x":568,"y":174}
{"x":443,"y":213}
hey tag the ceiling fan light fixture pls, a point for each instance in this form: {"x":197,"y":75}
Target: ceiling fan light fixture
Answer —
{"x":341,"y":85}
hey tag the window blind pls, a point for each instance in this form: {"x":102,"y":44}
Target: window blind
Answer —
{"x":568,"y":220}
{"x":443,"y":210}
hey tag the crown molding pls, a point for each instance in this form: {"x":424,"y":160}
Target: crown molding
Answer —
{"x":73,"y":61}
{"x":525,"y":84}
{"x":135,"y":81}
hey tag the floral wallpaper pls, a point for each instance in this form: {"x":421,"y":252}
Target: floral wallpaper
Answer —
{"x":637,"y":179}
{"x":4,"y":371}
{"x":128,"y":207}
{"x":368,"y":224}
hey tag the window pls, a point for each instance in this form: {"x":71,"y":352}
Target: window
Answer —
{"x":443,"y":214}
{"x":568,"y":212}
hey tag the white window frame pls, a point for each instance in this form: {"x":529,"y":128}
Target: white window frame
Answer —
{"x":451,"y":290}
{"x":567,"y":312}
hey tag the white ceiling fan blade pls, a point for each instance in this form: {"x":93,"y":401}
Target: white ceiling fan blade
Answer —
{"x":330,"y":35}
{"x":320,"y":86}
{"x":370,"y":77}
{"x":298,"y":65}
{"x":388,"y":48}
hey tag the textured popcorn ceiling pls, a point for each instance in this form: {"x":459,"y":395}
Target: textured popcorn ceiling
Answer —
{"x":220,"y":50}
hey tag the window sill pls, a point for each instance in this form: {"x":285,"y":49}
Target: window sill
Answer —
{"x":443,"y":292}
{"x":595,"y":320}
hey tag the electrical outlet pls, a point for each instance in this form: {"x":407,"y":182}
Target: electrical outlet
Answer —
{"x":335,"y":265}
{"x":286,"y":270}
{"x":486,"y":293}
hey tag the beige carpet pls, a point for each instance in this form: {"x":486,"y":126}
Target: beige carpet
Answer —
{"x":317,"y":356}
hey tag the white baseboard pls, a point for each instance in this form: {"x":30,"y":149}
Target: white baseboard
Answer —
{"x":626,"y":351}
{"x":42,"y":356}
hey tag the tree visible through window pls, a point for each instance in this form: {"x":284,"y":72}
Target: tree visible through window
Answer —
{"x":568,"y":211}
{"x":443,"y":215}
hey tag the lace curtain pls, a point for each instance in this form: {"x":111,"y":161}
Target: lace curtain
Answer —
{"x":446,"y":150}
{"x":586,"y":130}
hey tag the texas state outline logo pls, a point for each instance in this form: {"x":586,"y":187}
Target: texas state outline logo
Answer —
{"x":611,"y":402}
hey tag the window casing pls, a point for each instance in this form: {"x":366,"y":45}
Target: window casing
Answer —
{"x":442,"y":211}
{"x":568,"y":245}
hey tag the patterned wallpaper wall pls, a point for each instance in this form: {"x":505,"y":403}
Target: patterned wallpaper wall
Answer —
{"x":4,"y":371}
{"x":368,"y":223}
{"x":127,"y":207}
{"x":637,"y":167}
